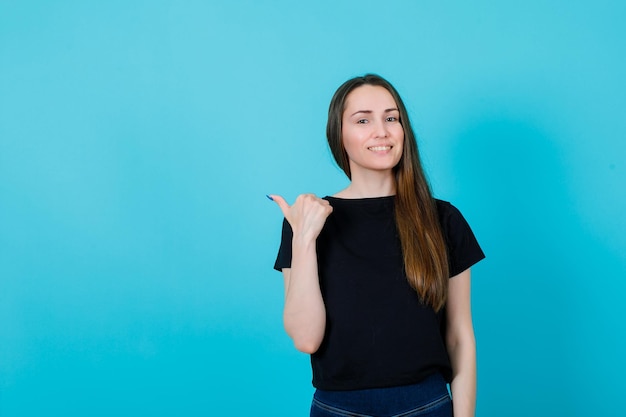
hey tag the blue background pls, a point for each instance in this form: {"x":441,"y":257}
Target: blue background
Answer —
{"x":138,"y":140}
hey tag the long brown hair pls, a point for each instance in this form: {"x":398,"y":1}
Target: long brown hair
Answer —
{"x":423,"y":245}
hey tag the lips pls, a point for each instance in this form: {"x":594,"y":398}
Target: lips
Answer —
{"x":379,"y":148}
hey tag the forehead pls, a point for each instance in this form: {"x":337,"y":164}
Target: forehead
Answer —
{"x":369,"y":97}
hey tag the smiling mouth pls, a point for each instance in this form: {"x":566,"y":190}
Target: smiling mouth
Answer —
{"x":379,"y":148}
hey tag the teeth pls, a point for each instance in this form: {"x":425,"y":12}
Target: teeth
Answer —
{"x":379,"y":148}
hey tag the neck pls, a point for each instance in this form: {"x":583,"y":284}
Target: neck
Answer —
{"x":369,"y":185}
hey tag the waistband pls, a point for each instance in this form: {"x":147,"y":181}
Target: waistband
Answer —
{"x":388,"y":400}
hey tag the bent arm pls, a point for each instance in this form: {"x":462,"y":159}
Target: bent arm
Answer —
{"x":304,"y":315}
{"x":461,"y":345}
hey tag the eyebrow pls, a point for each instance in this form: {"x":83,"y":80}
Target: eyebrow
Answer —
{"x":370,"y":111}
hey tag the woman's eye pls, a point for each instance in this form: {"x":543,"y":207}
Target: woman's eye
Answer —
{"x":392,"y":119}
{"x":362,"y":121}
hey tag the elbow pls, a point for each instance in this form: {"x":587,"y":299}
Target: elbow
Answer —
{"x":306,"y":340}
{"x":307,"y":346}
{"x":466,"y":343}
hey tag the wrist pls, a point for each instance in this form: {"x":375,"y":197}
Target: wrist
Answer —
{"x":303,"y":240}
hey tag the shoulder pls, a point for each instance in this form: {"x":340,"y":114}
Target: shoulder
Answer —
{"x":450,"y":217}
{"x":453,"y":225}
{"x":463,"y":247}
{"x":447,"y":212}
{"x":442,"y":205}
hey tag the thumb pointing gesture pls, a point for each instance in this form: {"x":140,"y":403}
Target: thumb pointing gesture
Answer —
{"x":307,"y":215}
{"x":284,"y":207}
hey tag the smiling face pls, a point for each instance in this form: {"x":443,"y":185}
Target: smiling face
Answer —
{"x":371,"y":131}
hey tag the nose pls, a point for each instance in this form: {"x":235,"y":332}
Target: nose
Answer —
{"x":380,"y":130}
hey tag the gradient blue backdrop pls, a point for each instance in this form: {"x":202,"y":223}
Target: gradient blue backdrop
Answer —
{"x":138,"y":140}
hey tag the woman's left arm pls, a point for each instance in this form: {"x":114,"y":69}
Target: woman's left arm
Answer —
{"x":461,"y":345}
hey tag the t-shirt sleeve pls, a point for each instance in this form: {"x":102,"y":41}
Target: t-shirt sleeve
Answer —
{"x":283,"y":259}
{"x":463,"y":248}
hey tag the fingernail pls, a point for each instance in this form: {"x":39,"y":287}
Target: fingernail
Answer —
{"x":271,"y":199}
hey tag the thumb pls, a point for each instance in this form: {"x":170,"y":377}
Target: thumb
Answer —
{"x":284,"y":207}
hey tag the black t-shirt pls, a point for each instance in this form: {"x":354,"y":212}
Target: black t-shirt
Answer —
{"x":378,"y":332}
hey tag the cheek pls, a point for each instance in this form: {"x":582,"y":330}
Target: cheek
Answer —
{"x":348,"y":138}
{"x":400,"y":144}
{"x":400,"y":135}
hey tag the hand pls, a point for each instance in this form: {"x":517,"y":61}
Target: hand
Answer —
{"x":306,"y":216}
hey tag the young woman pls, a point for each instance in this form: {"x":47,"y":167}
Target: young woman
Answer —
{"x":377,"y":276}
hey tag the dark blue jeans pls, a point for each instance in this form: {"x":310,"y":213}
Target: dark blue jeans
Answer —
{"x":428,"y":398}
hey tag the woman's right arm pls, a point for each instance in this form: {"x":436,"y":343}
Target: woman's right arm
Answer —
{"x":304,"y":315}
